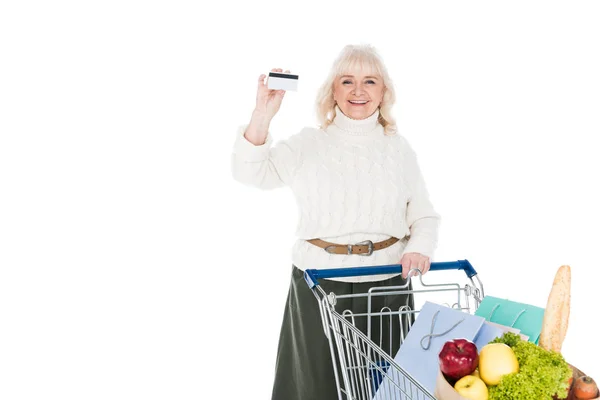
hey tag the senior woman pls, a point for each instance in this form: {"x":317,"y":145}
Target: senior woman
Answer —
{"x":355,"y":179}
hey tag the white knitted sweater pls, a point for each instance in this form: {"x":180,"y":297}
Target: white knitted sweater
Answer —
{"x":351,"y":183}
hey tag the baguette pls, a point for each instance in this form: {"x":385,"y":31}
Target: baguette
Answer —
{"x":556,"y":314}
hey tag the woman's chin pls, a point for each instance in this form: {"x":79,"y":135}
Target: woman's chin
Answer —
{"x":358,"y":114}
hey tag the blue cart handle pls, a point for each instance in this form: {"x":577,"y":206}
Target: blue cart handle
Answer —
{"x":312,"y":276}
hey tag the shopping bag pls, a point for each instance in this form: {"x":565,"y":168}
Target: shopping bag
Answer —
{"x":505,"y":328}
{"x":418,"y":354}
{"x":491,"y":330}
{"x":527,"y":318}
{"x":488,"y":332}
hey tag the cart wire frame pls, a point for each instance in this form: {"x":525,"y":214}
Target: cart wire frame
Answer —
{"x":360,"y":360}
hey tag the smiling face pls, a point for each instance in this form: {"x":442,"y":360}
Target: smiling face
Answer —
{"x":358,"y":95}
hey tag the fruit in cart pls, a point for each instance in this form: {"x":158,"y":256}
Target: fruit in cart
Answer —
{"x":472,"y":388}
{"x":495,"y":361}
{"x":585,"y":388}
{"x":458,"y":358}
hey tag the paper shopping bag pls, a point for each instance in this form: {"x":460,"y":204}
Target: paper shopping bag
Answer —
{"x":418,"y":354}
{"x":527,"y":318}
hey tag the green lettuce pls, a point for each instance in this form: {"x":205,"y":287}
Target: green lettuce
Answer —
{"x":542,"y":374}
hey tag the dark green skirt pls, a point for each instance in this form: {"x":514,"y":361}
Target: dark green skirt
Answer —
{"x":304,"y":369}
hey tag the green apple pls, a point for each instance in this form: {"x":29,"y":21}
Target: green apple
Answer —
{"x":472,"y":388}
{"x":495,"y":361}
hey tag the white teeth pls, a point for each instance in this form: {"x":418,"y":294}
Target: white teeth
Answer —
{"x":358,"y":102}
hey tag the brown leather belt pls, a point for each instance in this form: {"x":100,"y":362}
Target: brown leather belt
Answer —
{"x":365,"y":248}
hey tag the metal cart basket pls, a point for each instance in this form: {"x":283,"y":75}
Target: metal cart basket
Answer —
{"x":360,"y":362}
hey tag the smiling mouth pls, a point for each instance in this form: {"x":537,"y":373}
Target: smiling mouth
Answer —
{"x":358,"y":102}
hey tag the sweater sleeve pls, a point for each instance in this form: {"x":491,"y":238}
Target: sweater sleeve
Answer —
{"x":265,"y":166}
{"x":422,"y":219}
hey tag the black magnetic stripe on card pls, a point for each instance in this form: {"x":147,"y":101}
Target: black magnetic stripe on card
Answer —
{"x":287,"y":76}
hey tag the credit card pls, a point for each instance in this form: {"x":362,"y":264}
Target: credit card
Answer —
{"x":282,"y":81}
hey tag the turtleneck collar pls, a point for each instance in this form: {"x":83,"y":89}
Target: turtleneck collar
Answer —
{"x":356,"y":127}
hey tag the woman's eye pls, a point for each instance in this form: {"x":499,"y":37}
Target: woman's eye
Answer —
{"x":346,"y":82}
{"x":370,"y":81}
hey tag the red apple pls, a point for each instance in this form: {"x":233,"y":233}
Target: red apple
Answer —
{"x":458,"y":358}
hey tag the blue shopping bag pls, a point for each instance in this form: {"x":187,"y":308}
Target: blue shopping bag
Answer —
{"x":487,"y":333}
{"x":418,"y":354}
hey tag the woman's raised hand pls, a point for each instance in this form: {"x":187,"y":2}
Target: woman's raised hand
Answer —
{"x":268,"y":101}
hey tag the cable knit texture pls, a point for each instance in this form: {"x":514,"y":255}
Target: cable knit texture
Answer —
{"x":351,"y":183}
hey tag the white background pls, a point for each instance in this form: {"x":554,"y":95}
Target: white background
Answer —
{"x":134,"y":267}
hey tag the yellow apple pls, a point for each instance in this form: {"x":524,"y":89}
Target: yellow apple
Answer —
{"x":495,"y":361}
{"x":472,"y":388}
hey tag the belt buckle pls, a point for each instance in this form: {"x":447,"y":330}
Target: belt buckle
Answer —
{"x":366,"y":242}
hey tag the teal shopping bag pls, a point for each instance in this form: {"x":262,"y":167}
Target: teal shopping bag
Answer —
{"x":522,"y":316}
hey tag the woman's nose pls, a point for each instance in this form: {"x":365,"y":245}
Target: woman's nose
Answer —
{"x":358,"y":90}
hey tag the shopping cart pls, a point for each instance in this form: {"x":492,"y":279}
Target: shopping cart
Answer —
{"x":358,"y":357}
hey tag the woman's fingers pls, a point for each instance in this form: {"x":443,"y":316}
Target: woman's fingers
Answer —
{"x":279,"y":92}
{"x":261,"y":80}
{"x":422,"y":265}
{"x":414,"y":261}
{"x":427,"y":265}
{"x":405,"y":266}
{"x":267,"y":99}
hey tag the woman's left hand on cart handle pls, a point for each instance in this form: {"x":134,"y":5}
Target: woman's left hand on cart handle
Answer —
{"x":414,"y":261}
